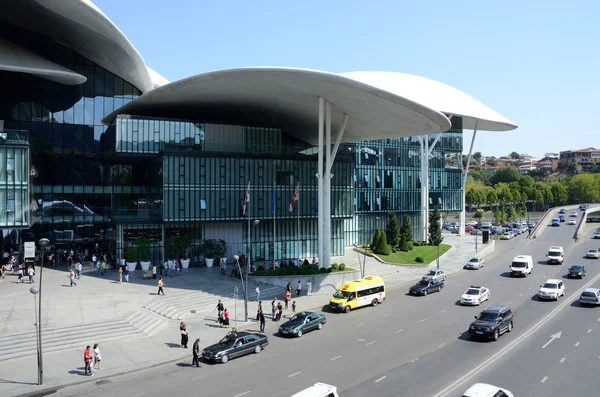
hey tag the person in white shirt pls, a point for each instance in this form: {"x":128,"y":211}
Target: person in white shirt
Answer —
{"x":154,"y":272}
{"x":257,"y":293}
{"x":298,"y":288}
{"x":78,"y":268}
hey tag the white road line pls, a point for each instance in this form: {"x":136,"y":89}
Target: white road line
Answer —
{"x":139,"y":395}
{"x":330,"y":334}
{"x":495,"y":282}
{"x":294,"y":374}
{"x":562,"y":360}
{"x":545,"y":378}
{"x":242,"y":394}
{"x":335,"y":358}
{"x":521,"y":294}
{"x":529,"y":287}
{"x":509,"y":302}
{"x":253,"y":361}
{"x":448,"y":389}
{"x":423,"y":320}
{"x":380,"y":379}
{"x":576,"y":344}
{"x":416,"y":359}
{"x":441,"y":345}
{"x":370,"y":343}
{"x":200,"y":377}
{"x":293,"y":347}
{"x":599,"y":319}
{"x":589,"y":330}
{"x":442,"y":311}
{"x":400,"y":330}
{"x":360,"y":325}
{"x":387,"y":314}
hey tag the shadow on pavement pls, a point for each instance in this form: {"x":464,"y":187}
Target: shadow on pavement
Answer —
{"x":78,"y":371}
{"x":173,"y":345}
{"x":505,"y":274}
{"x":467,"y":337}
{"x":17,"y":382}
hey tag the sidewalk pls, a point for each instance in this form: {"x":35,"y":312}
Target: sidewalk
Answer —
{"x":137,"y":329}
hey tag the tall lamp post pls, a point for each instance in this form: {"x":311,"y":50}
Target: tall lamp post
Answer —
{"x":34,"y":291}
{"x":361,"y":264}
{"x":244,"y":274}
{"x":475,"y":235}
{"x":44,"y":244}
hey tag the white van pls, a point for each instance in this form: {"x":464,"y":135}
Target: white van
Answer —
{"x":318,"y":390}
{"x":555,"y":254}
{"x":522,"y":265}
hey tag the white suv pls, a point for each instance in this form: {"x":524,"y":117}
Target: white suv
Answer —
{"x":485,"y":390}
{"x":555,"y":254}
{"x":552,"y":289}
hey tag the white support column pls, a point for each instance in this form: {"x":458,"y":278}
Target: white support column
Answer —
{"x":423,"y":218}
{"x":320,"y":201}
{"x":463,"y":215}
{"x":327,"y":189}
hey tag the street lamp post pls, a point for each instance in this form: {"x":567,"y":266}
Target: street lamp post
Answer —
{"x":34,"y":291}
{"x":235,"y":298}
{"x":361,"y":265}
{"x":44,"y":244}
{"x":475,"y":235}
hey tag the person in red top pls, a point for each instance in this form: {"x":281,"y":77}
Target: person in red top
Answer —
{"x":87,"y":359}
{"x":226,"y":318}
{"x":287,"y":298}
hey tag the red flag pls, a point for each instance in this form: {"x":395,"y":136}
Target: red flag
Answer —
{"x":247,"y":198}
{"x":294,"y":198}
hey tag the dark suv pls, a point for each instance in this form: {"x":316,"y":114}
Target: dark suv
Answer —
{"x":492,"y":322}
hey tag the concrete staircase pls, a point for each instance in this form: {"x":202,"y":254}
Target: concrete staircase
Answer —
{"x":178,"y":305}
{"x":137,"y":325}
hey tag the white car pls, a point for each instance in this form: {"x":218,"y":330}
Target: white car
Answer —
{"x":475,"y":295}
{"x":507,"y":235}
{"x":572,"y":221}
{"x":573,"y":214}
{"x":475,"y":263}
{"x":591,"y":296}
{"x":552,"y":289}
{"x":597,"y":235}
{"x":485,"y":390}
{"x":438,"y":274}
{"x":593,"y":253}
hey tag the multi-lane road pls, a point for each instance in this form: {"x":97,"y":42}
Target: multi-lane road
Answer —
{"x":416,"y":345}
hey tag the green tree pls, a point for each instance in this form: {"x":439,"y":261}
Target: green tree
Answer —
{"x":491,"y":198}
{"x":435,"y":231}
{"x":479,"y":176}
{"x":470,"y":197}
{"x":392,"y":231}
{"x":515,"y":155}
{"x":505,"y":197}
{"x":538,"y":199}
{"x":406,"y":230}
{"x":491,"y":161}
{"x":499,"y":216}
{"x":375,"y":240}
{"x":522,"y":211}
{"x":382,"y":246}
{"x":403,"y":246}
{"x":560,"y":193}
{"x":477,"y":156}
{"x":511,"y":213}
{"x":583,"y":188}
{"x":505,"y":174}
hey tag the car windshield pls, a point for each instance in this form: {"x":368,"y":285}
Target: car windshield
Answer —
{"x":473,"y":291}
{"x":550,"y":285}
{"x":575,"y":268}
{"x":298,"y":317}
{"x":593,"y":251}
{"x":485,"y":316}
{"x":553,"y":253}
{"x":589,"y":294}
{"x":431,"y":273}
{"x":519,"y":264}
{"x":227,"y":340}
{"x":343,"y":294}
{"x":474,"y":260}
{"x":423,"y":282}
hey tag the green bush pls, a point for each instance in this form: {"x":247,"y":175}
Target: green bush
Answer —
{"x":394,"y":250}
{"x":297,"y":271}
{"x":376,"y":238}
{"x":260,"y":268}
{"x":418,"y":259}
{"x":382,"y":246}
{"x":410,"y":245}
{"x":334,"y":266}
{"x":323,"y":270}
{"x":342,"y":267}
{"x":479,"y":213}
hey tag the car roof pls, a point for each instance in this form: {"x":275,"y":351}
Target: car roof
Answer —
{"x":593,"y":249}
{"x":576,"y":264}
{"x":591,"y":290}
{"x":476,"y":287}
{"x":480,"y":390}
{"x":555,"y":247}
{"x":496,"y":308}
{"x":318,"y":389}
{"x":553,"y":281}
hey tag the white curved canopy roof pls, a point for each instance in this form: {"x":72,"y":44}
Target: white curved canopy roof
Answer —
{"x":158,"y":80}
{"x":17,"y":59}
{"x":439,"y":96}
{"x":84,"y":28}
{"x":287,"y":98}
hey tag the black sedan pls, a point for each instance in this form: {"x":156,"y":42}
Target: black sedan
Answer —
{"x":576,"y":271}
{"x":301,"y":323}
{"x":235,"y":345}
{"x":426,"y":286}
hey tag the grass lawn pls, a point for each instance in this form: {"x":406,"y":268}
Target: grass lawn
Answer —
{"x":428,"y":253}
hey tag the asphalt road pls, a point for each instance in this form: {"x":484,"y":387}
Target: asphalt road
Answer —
{"x":414,"y":344}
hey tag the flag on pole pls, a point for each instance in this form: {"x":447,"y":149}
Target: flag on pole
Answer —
{"x":247,"y":198}
{"x":273,"y":199}
{"x":295,"y":198}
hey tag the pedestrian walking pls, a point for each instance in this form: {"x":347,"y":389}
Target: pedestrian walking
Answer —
{"x":196,"y":353}
{"x":293,"y":308}
{"x":97,"y":357}
{"x":126,"y":273}
{"x":87,"y":358}
{"x":78,"y":268}
{"x":286,"y":298}
{"x":220,"y":308}
{"x":279,"y":311}
{"x":20,"y":275}
{"x":288,"y":287}
{"x":298,"y":288}
{"x":258,"y":310}
{"x":161,"y":284}
{"x":184,"y":334}
{"x":154,"y":272}
{"x":226,"y":318}
{"x":72,"y":278}
{"x":120,"y":274}
{"x":273,"y":308}
{"x":261,"y":318}
{"x":309,"y":288}
{"x":30,"y":273}
{"x":257,"y":293}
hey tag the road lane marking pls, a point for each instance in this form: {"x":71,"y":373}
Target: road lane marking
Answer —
{"x":562,"y":360}
{"x":589,"y":330}
{"x":400,"y":330}
{"x":448,"y":389}
{"x":576,"y":344}
{"x":361,"y":340}
{"x":199,"y":377}
{"x":253,"y":361}
{"x":387,"y":314}
{"x":293,"y":347}
{"x":529,"y":287}
{"x":370,"y":343}
{"x":495,"y":282}
{"x":422,"y":320}
{"x":442,"y":311}
{"x":335,"y":358}
{"x":294,"y":374}
{"x":544,"y":379}
{"x":242,"y":394}
{"x":330,"y":334}
{"x":521,"y":294}
{"x":380,"y":379}
{"x":441,"y":345}
{"x":360,"y":325}
{"x":509,"y":302}
{"x":416,"y":359}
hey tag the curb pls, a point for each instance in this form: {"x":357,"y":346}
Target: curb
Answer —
{"x":414,"y":266}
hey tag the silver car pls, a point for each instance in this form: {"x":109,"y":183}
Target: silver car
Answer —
{"x":438,"y":274}
{"x":593,"y":253}
{"x":474,"y":263}
{"x":591,"y":296}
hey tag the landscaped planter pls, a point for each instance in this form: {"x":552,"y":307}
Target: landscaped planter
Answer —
{"x":145,"y":266}
{"x":210,"y":262}
{"x":132,"y":265}
{"x":185,"y":263}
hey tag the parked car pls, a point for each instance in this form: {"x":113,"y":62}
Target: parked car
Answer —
{"x":235,"y":345}
{"x":469,"y":229}
{"x":302,"y":323}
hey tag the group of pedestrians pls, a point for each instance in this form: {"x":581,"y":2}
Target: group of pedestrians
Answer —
{"x":222,"y":315}
{"x":92,"y":359}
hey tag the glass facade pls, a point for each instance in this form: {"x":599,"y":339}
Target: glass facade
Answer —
{"x":15,"y":192}
{"x":387,"y":178}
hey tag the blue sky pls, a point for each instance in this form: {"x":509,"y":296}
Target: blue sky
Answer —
{"x":536,"y":61}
